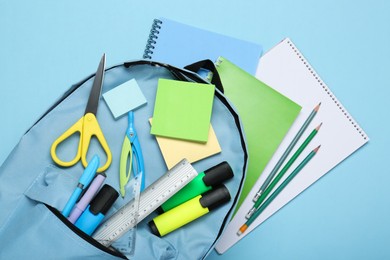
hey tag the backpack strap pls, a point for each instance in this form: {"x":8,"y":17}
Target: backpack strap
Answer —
{"x":188,"y":73}
{"x":209,"y":65}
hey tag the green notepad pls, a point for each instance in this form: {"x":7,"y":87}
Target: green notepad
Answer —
{"x":183,"y":110}
{"x":266,"y":116}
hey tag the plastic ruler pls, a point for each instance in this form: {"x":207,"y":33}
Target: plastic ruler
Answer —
{"x":127,"y":245}
{"x":150,"y":199}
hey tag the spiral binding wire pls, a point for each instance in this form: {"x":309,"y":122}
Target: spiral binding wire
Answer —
{"x":327,"y":90}
{"x":152,"y":40}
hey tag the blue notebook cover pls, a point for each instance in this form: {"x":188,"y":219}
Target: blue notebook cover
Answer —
{"x":180,"y":45}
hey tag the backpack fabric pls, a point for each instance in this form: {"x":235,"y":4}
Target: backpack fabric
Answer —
{"x":33,"y":189}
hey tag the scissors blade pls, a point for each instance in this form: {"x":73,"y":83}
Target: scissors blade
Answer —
{"x":96,"y":90}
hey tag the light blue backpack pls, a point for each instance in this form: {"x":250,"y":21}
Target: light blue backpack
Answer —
{"x":33,"y":189}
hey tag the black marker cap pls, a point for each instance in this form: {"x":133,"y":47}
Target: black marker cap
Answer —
{"x":214,"y":198}
{"x":218,"y":174}
{"x":103,"y":201}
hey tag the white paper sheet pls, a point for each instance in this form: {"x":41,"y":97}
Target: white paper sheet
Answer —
{"x":287,"y":71}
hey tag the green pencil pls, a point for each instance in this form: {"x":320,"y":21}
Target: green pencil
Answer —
{"x":277,"y":191}
{"x":286,"y":153}
{"x":283,"y":171}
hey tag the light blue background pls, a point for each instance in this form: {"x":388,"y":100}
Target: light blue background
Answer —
{"x":45,"y":46}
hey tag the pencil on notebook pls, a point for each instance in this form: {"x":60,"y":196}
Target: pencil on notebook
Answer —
{"x":283,"y":171}
{"x":287,"y":152}
{"x":277,"y":191}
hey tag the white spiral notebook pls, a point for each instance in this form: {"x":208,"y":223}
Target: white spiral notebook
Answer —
{"x":286,"y":70}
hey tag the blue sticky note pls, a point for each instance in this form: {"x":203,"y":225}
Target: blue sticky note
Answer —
{"x":124,"y":98}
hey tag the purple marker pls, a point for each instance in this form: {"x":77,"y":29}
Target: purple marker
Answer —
{"x":86,"y":199}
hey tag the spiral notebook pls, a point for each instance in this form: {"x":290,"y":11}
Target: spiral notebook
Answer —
{"x":180,"y":45}
{"x":287,"y":71}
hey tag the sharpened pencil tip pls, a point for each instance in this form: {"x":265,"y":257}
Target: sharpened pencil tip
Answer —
{"x":317,"y":107}
{"x":319,"y":126}
{"x":316,"y":149}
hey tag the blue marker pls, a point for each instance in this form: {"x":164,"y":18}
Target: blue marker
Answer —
{"x":84,"y":181}
{"x":95,"y":212}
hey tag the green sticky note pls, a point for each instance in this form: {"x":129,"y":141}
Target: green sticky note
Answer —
{"x":183,"y":110}
{"x":266,"y":116}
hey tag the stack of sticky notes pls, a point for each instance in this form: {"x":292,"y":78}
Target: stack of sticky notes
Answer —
{"x":181,"y":121}
{"x":123,"y":98}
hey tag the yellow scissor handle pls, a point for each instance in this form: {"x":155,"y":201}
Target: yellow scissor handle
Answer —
{"x":87,"y":126}
{"x":91,"y":128}
{"x":77,"y":127}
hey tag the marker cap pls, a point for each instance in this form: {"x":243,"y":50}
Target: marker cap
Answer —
{"x":218,"y":174}
{"x":103,"y":200}
{"x":95,"y":212}
{"x":215,"y":198}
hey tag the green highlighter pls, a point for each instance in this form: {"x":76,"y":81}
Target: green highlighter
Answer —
{"x":189,"y":211}
{"x":212,"y":177}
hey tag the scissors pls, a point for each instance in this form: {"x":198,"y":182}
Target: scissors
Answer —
{"x":131,"y":148}
{"x":87,"y":126}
